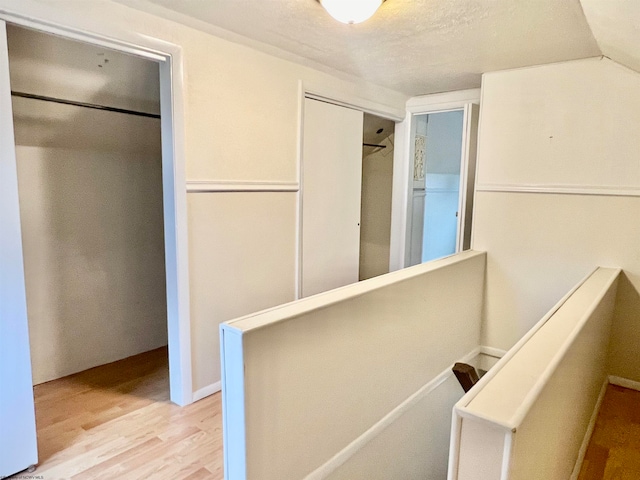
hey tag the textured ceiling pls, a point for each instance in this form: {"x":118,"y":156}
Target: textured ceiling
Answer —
{"x":616,"y":26}
{"x":412,"y":46}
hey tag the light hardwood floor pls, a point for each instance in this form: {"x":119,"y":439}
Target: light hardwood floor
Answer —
{"x":614,"y":449}
{"x":116,"y":422}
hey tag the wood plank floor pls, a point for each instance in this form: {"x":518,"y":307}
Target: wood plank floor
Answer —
{"x":614,"y":449}
{"x":116,"y":421}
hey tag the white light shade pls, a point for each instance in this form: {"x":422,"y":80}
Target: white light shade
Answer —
{"x":351,"y":11}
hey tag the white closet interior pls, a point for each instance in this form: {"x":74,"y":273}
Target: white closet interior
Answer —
{"x":90,"y":191}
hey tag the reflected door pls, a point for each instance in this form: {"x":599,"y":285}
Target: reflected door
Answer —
{"x":443,"y":151}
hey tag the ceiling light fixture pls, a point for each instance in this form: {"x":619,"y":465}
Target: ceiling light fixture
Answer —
{"x":351,"y":11}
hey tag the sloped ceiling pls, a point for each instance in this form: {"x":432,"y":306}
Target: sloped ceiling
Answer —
{"x":412,"y":46}
{"x":616,"y":27}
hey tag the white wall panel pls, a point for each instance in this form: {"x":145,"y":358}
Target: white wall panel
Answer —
{"x":563,"y":236}
{"x":240,"y":263}
{"x":566,"y":124}
{"x":94,"y":256}
{"x":559,"y":178}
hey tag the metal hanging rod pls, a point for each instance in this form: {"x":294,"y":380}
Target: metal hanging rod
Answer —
{"x":374,"y":145}
{"x":83,"y":104}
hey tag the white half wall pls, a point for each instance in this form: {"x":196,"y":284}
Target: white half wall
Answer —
{"x":254,"y":248}
{"x":527,"y":417}
{"x":558,"y":191}
{"x":320,"y":383}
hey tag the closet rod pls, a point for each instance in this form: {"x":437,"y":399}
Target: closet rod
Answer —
{"x":374,"y":145}
{"x":83,"y":104}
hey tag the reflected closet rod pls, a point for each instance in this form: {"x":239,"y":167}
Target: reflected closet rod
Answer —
{"x":374,"y":145}
{"x":83,"y":104}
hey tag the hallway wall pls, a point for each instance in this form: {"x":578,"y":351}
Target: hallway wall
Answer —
{"x":558,"y":193}
{"x":241,"y":126}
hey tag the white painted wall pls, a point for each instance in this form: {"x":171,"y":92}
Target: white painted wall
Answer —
{"x":528,"y":417}
{"x":309,"y":378}
{"x":558,"y":191}
{"x":241,"y":125}
{"x":90,"y":186}
{"x":375,"y":213}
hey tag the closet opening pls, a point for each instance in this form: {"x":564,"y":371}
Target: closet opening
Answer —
{"x":90,"y":184}
{"x":375,"y":207}
{"x":345,"y":199}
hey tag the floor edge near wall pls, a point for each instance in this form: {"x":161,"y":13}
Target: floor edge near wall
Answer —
{"x":610,"y":380}
{"x":206,"y":391}
{"x":589,"y":432}
{"x":624,"y":382}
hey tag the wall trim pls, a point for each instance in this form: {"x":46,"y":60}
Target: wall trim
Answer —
{"x":213,"y":186}
{"x":443,"y":101}
{"x":315,"y":91}
{"x":624,"y":382}
{"x":206,"y":391}
{"x":587,"y":434}
{"x":325,"y":470}
{"x":492,"y":352}
{"x":612,"y":191}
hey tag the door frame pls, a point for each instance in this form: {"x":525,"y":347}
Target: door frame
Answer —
{"x":401,"y":209}
{"x":170,"y":61}
{"x":316,"y":92}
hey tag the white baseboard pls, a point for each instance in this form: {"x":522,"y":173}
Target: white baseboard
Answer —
{"x":587,"y":435}
{"x":493,"y":352}
{"x":325,"y":470}
{"x":624,"y":382}
{"x":206,"y":391}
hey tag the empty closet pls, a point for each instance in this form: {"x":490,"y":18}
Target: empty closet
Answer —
{"x":88,"y":151}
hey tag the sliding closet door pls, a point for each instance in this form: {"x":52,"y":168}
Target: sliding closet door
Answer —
{"x":18,"y":447}
{"x":331,"y":190}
